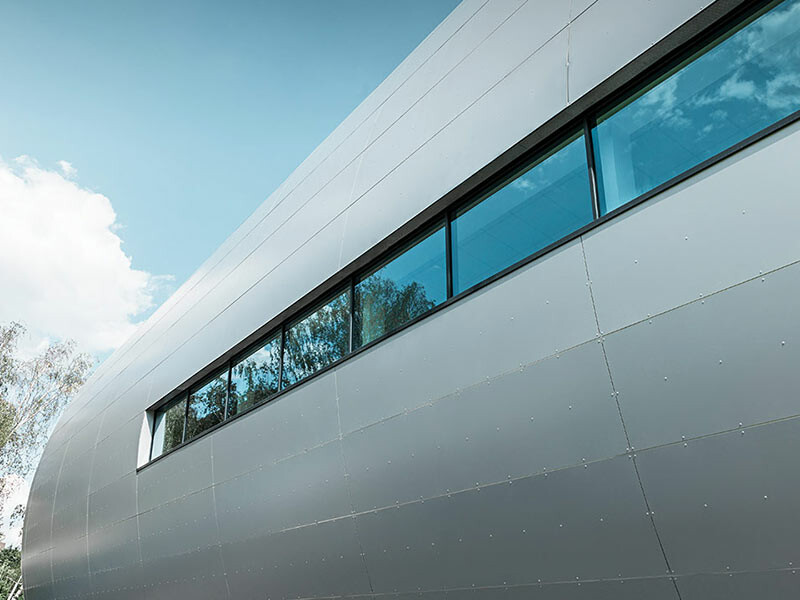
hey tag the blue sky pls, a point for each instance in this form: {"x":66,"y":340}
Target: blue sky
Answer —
{"x":185,"y":115}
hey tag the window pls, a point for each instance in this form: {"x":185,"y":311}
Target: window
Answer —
{"x":405,"y":287}
{"x":255,"y":377}
{"x":317,"y":340}
{"x":527,"y":212}
{"x":722,"y":94}
{"x":168,"y":430}
{"x":207,"y":405}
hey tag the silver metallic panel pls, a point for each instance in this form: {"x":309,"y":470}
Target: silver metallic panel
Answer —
{"x":290,"y":425}
{"x":540,"y":417}
{"x":70,"y":560}
{"x":713,"y":365}
{"x":278,"y":565}
{"x":466,"y":40}
{"x":199,"y":574}
{"x":187,"y":470}
{"x":180,"y":526}
{"x":112,"y":503}
{"x":301,"y":490}
{"x":73,"y":479}
{"x":115,"y":547}
{"x":741,"y":586}
{"x":727,"y":502}
{"x":624,"y":589}
{"x":116,"y":455}
{"x":602,"y":42}
{"x":580,"y":522}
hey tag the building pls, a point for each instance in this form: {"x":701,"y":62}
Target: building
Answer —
{"x":536,"y":300}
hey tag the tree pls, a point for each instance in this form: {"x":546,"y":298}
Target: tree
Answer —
{"x":33,"y":392}
{"x":10,"y":574}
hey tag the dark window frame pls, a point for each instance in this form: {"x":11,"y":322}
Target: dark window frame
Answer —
{"x":582,"y":125}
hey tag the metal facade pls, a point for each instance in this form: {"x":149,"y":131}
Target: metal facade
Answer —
{"x":617,"y":419}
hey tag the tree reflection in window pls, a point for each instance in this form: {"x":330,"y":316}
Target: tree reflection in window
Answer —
{"x":169,"y":427}
{"x":407,"y":286}
{"x":317,"y":340}
{"x":207,"y":405}
{"x":255,"y":377}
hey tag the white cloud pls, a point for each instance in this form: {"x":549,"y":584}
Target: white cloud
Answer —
{"x":63,"y":272}
{"x":67,"y":168}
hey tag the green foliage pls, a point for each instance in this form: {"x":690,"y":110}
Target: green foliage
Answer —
{"x":10,"y":573}
{"x":384,"y":306}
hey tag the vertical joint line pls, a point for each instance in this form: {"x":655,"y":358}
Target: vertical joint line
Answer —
{"x":590,"y":161}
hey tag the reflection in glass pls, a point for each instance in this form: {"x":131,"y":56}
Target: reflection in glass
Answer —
{"x":168,"y":431}
{"x":317,"y":340}
{"x":207,"y":405}
{"x":535,"y":208}
{"x":718,"y":97}
{"x":255,"y":377}
{"x":406,"y":287}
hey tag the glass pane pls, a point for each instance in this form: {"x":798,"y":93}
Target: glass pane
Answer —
{"x":207,"y":405}
{"x":319,"y":339}
{"x":406,"y":287}
{"x":169,"y":428}
{"x":535,"y":208}
{"x":723,"y":94}
{"x":255,"y":378}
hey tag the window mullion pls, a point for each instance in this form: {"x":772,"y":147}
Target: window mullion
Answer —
{"x":590,"y":161}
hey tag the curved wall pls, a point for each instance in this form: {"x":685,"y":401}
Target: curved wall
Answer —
{"x":616,"y":419}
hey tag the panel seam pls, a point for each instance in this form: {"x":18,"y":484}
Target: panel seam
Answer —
{"x":630,"y":449}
